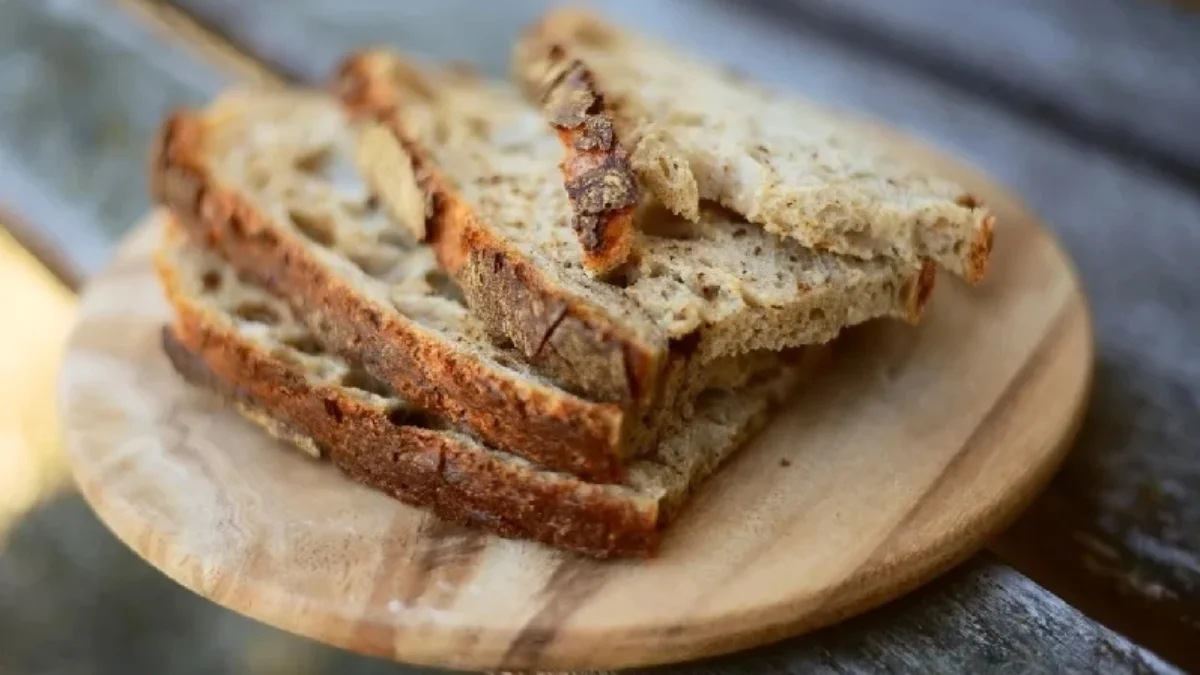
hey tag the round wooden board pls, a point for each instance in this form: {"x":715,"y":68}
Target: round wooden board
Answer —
{"x":898,"y":461}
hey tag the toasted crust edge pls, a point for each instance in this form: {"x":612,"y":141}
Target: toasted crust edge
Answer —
{"x":442,"y":472}
{"x":979,"y":249}
{"x":551,"y":427}
{"x":598,"y":177}
{"x":561,"y":334}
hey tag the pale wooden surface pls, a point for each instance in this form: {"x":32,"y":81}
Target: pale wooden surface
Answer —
{"x":1123,"y":517}
{"x":899,"y":462}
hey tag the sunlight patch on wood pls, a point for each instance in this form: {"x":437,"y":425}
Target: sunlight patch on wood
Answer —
{"x":36,"y":311}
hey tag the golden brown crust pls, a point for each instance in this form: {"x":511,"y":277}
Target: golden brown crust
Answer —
{"x":561,"y":334}
{"x":922,"y":289}
{"x":546,"y":425}
{"x":980,"y":251}
{"x":444,"y":472}
{"x":598,"y":177}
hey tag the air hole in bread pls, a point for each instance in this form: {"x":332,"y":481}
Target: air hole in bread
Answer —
{"x":317,"y":228}
{"x":315,"y":161}
{"x":660,"y":223}
{"x":257,"y":312}
{"x":365,"y":208}
{"x":816,"y":314}
{"x":406,"y":416}
{"x":709,"y":397}
{"x":623,"y":276}
{"x":968,"y":202}
{"x":333,"y":409}
{"x":211,"y":281}
{"x":305,"y":344}
{"x":357,"y":378}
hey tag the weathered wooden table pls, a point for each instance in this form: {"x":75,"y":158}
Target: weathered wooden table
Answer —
{"x":1089,"y":109}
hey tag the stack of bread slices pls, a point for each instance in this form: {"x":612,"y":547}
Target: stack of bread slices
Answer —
{"x":546,"y":308}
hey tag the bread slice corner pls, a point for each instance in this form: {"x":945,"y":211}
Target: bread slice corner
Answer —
{"x":697,"y":132}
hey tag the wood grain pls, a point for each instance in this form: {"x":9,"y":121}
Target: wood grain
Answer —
{"x":884,"y":473}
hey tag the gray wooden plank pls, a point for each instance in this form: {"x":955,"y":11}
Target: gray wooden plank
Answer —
{"x":84,"y":87}
{"x":1126,"y":72}
{"x":988,"y":619}
{"x":1131,"y":231}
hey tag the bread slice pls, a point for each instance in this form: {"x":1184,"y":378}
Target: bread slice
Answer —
{"x":498,"y":216}
{"x":235,"y":338}
{"x":267,"y":180}
{"x":696,"y":132}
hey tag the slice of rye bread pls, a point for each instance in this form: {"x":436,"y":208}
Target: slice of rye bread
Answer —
{"x":697,"y":132}
{"x":487,"y":164}
{"x":235,"y":338}
{"x":267,"y":180}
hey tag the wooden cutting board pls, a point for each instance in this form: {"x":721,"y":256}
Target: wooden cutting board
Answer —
{"x":900,"y":460}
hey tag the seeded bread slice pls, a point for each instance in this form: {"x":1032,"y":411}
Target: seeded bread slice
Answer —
{"x":266,"y":180}
{"x":235,"y":338}
{"x":498,"y":220}
{"x":696,"y":132}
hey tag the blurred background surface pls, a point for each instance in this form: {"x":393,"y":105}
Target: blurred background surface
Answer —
{"x":1088,"y":109}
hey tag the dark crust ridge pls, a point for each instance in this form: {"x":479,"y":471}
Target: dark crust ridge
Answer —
{"x":598,"y":178}
{"x":562,"y":335}
{"x":442,"y":472}
{"x":553,"y":428}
